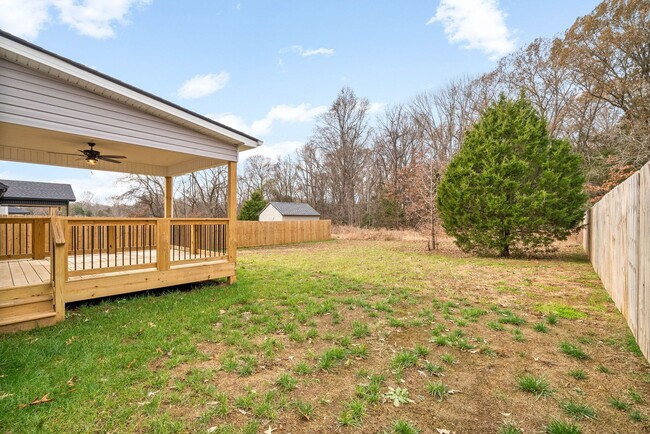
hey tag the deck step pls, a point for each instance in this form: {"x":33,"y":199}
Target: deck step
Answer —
{"x":26,"y":317}
{"x":26,"y":300}
{"x":20,"y":292}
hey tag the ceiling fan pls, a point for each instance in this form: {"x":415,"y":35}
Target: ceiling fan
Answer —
{"x":93,"y":156}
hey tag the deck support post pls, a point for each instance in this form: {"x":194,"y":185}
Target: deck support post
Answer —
{"x":163,"y":244}
{"x":232,"y":216}
{"x":60,"y":266}
{"x":169,"y":195}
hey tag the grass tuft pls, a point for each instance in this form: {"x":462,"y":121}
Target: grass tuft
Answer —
{"x":540,"y":327}
{"x":404,"y":427}
{"x":578,"y":374}
{"x":538,"y":386}
{"x":573,"y":350}
{"x":509,"y":428}
{"x":578,"y":410}
{"x":437,"y":390}
{"x":353,"y":413}
{"x":619,"y":404}
{"x":557,"y":426}
{"x":286,"y":382}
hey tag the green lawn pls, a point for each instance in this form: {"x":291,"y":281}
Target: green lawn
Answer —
{"x":361,"y":336}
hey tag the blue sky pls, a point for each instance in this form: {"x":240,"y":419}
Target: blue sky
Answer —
{"x":270,"y":67}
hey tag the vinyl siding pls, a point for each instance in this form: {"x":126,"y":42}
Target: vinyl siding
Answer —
{"x":30,"y":98}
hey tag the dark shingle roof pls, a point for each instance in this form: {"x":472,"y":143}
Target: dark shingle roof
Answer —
{"x":294,"y":209}
{"x":33,"y":193}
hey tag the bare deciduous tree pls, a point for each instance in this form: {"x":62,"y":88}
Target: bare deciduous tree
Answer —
{"x":341,"y":137}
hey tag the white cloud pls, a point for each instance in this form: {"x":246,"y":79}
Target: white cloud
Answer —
{"x":101,"y":184}
{"x":376,"y":107}
{"x":476,"y":24}
{"x":95,"y":18}
{"x":24,"y":18}
{"x":308,"y":52}
{"x":318,"y":51}
{"x":279,"y":113}
{"x":203,"y":85}
{"x":295,"y":113}
{"x":272,"y":151}
{"x":230,"y":119}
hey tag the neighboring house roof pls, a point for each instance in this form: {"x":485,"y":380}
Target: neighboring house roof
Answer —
{"x":35,"y":193}
{"x":293,"y":209}
{"x":25,"y":53}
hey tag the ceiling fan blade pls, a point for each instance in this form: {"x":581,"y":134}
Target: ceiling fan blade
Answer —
{"x":110,"y":160}
{"x":113,"y":156}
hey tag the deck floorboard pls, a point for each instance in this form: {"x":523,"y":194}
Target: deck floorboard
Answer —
{"x":22,"y":272}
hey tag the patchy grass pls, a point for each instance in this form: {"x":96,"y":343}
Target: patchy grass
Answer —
{"x":327,"y":336}
{"x":561,"y":311}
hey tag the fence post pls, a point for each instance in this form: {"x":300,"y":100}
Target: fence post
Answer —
{"x":643,"y":309}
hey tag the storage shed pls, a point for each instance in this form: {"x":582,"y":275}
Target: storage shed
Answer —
{"x":288,"y":211}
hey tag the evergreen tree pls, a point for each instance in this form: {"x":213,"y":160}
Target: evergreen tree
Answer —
{"x":511,"y":186}
{"x":252,"y":208}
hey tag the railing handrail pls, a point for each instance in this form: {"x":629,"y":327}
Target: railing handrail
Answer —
{"x":206,"y":221}
{"x":58,"y":234}
{"x":21,"y":219}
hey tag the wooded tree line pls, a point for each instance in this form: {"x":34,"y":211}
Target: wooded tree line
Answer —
{"x":592,"y":86}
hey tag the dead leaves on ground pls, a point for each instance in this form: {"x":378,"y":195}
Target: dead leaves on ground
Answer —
{"x":42,"y":400}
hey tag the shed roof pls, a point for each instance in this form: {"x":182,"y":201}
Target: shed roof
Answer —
{"x":293,"y":209}
{"x":35,"y":193}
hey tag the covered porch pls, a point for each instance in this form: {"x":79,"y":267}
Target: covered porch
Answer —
{"x":50,"y":108}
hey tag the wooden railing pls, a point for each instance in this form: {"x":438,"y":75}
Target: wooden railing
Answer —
{"x":95,"y":246}
{"x":24,"y":237}
{"x":195,"y":240}
{"x":103,"y":245}
{"x":99,"y":245}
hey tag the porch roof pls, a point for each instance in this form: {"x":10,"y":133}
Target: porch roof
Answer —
{"x":50,"y":107}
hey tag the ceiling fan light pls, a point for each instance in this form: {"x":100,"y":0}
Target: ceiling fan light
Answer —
{"x":91,"y":161}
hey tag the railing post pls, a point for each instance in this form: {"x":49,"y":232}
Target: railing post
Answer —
{"x":38,"y":238}
{"x":163,"y":244}
{"x":194,"y":248}
{"x":60,"y":269}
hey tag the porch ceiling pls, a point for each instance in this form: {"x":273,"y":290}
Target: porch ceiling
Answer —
{"x":40,"y":146}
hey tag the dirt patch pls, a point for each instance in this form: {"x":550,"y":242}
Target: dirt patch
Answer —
{"x":482,"y":322}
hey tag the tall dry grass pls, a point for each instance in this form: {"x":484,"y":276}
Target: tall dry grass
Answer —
{"x":372,"y":234}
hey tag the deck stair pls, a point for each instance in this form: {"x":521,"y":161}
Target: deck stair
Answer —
{"x":26,"y":307}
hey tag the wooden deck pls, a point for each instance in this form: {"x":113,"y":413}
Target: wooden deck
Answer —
{"x":23,"y":272}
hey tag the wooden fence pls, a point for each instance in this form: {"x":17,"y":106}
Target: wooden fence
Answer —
{"x":252,"y":234}
{"x":617,"y":240}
